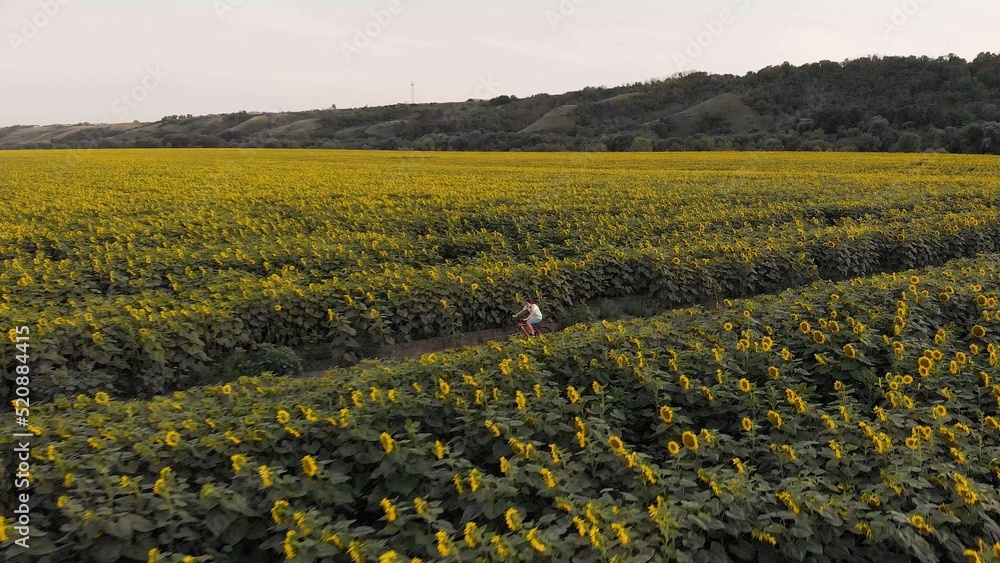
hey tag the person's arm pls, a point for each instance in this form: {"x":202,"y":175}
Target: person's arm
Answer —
{"x":523,"y":309}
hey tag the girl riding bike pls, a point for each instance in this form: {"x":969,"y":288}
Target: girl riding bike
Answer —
{"x":534,"y":316}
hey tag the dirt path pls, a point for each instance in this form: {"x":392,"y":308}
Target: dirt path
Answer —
{"x":316,"y":361}
{"x":417,"y":348}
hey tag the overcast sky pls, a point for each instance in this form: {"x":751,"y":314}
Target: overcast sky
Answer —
{"x":67,"y":61}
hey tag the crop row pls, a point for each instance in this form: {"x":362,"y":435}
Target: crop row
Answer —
{"x":149,"y":346}
{"x":853,"y":420}
{"x":140,"y":271}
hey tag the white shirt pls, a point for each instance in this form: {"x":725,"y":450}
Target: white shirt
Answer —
{"x":533,"y":311}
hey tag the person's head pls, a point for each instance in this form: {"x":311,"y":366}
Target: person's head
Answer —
{"x":529,"y":301}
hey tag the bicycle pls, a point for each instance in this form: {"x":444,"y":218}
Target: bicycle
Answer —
{"x":540,"y":328}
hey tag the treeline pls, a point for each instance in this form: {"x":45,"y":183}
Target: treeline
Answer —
{"x":873,"y":104}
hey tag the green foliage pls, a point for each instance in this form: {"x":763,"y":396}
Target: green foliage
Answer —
{"x":164,"y":315}
{"x":702,"y":143}
{"x":871,"y":435}
{"x":279,"y":360}
{"x":642,"y":144}
{"x":908,"y":142}
{"x":950,"y":103}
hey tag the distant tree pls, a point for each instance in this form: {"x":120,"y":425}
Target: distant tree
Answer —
{"x":866,"y":142}
{"x":991,"y":138}
{"x":972,"y":138}
{"x":805,"y":125}
{"x":423,"y":144}
{"x":702,"y":143}
{"x":177,"y":140}
{"x":772,"y":144}
{"x":619,"y":142}
{"x":664,"y":127}
{"x":880,"y":128}
{"x":206,"y":141}
{"x":908,"y":142}
{"x":642,"y":144}
{"x":148,"y":143}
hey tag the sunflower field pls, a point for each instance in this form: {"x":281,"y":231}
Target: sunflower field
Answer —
{"x":141,"y":270}
{"x":826,"y":389}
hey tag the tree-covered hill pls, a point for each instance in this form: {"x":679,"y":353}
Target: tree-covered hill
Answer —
{"x":870,"y":104}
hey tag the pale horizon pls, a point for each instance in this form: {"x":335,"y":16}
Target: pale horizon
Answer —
{"x":108,"y":61}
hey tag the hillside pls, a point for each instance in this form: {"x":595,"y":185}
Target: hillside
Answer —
{"x":902,"y":104}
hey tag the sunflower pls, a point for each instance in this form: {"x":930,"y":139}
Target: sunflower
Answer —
{"x":513,"y":518}
{"x":388,"y":444}
{"x":745,"y":385}
{"x":265,"y":475}
{"x":278,"y":511}
{"x":389,"y":509}
{"x":572,"y":394}
{"x":690,"y":441}
{"x":740,"y":468}
{"x":978,"y":331}
{"x":616,"y":445}
{"x":172,"y":439}
{"x":547,"y":476}
{"x":709,"y":396}
{"x":534,"y":542}
{"x":309,"y":466}
{"x":747,"y":425}
{"x":444,"y":545}
{"x":238,"y":460}
{"x":666,"y":414}
{"x":829,"y":422}
{"x":674,"y":448}
{"x":775,"y":419}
